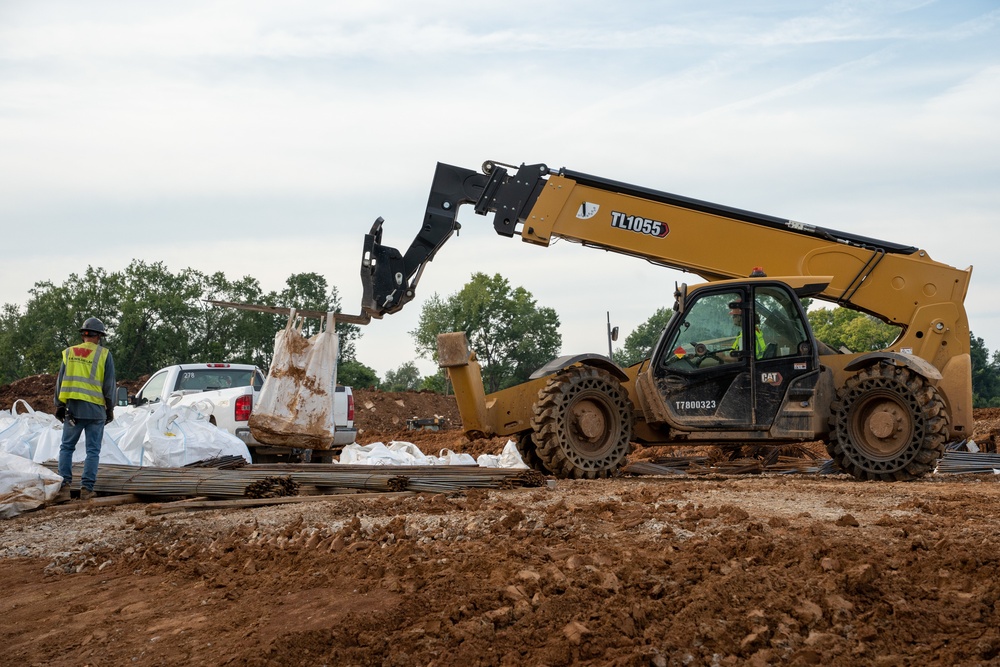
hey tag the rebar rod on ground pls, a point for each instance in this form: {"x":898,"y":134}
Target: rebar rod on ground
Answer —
{"x":219,"y":483}
{"x":968,"y":463}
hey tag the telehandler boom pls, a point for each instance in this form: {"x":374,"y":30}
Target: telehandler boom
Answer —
{"x":883,"y":414}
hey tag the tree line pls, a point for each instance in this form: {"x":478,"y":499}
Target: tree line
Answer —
{"x":157,"y":318}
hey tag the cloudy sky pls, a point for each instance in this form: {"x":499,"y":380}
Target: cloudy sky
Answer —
{"x":262,"y":138}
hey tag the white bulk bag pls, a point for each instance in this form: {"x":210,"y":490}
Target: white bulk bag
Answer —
{"x":24,"y":485}
{"x":508,"y":458}
{"x":295,"y":407}
{"x":181,"y":435}
{"x":50,"y":441}
{"x":19,"y":432}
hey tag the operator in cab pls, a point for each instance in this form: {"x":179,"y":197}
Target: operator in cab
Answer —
{"x":759,"y":343}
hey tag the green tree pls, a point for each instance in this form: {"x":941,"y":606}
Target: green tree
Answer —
{"x":858,"y":332}
{"x":155,"y":319}
{"x":12,"y":359}
{"x":353,"y":373}
{"x":985,"y":374}
{"x":310,"y":291}
{"x":438,"y":383}
{"x":511,"y":335}
{"x":44,"y":328}
{"x":640,"y":343}
{"x":232,"y":334}
{"x":405,"y":378}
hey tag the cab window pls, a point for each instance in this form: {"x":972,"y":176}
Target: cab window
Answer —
{"x":706,"y":335}
{"x":150,"y":393}
{"x":780,"y":322}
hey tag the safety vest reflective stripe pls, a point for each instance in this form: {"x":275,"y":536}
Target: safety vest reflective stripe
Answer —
{"x":761,"y":344}
{"x":83,"y":377}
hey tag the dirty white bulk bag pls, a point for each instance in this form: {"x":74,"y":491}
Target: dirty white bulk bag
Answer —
{"x":50,"y":441}
{"x":375,"y":454}
{"x":450,"y":458}
{"x":508,"y":458}
{"x":19,"y":433}
{"x":181,"y":435}
{"x":295,"y":407}
{"x":133,"y":425}
{"x":24,"y":485}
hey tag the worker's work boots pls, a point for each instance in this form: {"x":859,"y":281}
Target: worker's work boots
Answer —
{"x":63,"y":496}
{"x":87,"y":494}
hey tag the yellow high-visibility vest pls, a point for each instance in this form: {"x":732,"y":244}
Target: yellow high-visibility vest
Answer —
{"x":83,"y":378}
{"x":759,"y":347}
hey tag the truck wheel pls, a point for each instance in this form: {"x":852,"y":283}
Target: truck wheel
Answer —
{"x":529,"y":453}
{"x":888,"y":424}
{"x":583,"y":423}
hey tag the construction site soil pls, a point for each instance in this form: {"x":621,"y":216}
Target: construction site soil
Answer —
{"x":690,"y":570}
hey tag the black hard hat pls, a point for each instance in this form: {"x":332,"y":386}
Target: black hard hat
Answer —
{"x":93,"y":325}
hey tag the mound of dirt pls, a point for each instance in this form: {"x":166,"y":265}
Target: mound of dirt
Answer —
{"x":754,"y":570}
{"x":644,"y":571}
{"x":38,"y":391}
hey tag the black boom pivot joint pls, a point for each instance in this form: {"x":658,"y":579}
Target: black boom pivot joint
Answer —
{"x":389,"y":278}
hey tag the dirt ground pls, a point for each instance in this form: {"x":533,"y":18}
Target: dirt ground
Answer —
{"x":740,"y":570}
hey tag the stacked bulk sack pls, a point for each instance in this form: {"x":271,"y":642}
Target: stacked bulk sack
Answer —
{"x":295,"y":407}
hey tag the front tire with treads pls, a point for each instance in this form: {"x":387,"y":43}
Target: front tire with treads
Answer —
{"x":583,"y":423}
{"x":529,"y":453}
{"x":888,"y":424}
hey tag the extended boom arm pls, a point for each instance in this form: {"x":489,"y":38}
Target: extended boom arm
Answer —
{"x":897,"y":283}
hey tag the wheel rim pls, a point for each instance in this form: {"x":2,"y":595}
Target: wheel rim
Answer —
{"x":889,"y":424}
{"x":583,"y":423}
{"x":593,"y":426}
{"x":881,"y":426}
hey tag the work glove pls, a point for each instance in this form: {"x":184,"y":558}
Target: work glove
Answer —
{"x":61,"y":413}
{"x":109,"y":415}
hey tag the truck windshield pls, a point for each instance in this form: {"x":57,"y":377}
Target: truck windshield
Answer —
{"x":211,"y":379}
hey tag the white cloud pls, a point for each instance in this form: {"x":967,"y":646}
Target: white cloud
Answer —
{"x":282,"y":129}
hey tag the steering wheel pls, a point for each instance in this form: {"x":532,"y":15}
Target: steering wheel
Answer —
{"x":702,"y":353}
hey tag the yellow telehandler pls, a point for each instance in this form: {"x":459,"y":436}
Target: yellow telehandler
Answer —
{"x":738,"y":362}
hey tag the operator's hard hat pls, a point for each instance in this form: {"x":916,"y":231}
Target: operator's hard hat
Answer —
{"x":93,"y":325}
{"x":733,"y":308}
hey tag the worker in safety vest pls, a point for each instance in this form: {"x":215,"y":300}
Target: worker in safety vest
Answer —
{"x":759,"y":344}
{"x":85,"y":390}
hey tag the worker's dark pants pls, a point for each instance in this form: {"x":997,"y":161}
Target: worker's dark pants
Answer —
{"x":93,"y":430}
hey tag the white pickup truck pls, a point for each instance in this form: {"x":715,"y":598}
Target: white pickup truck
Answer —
{"x":231,"y":390}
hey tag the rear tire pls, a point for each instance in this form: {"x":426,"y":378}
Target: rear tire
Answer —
{"x":888,"y":424}
{"x":529,"y":453}
{"x":583,"y":423}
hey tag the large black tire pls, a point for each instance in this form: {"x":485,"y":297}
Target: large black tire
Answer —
{"x":888,"y":424}
{"x":583,"y":423}
{"x":529,"y":453}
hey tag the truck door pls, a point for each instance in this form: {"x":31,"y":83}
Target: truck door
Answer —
{"x":728,"y":361}
{"x":789,"y":359}
{"x":699,"y":367}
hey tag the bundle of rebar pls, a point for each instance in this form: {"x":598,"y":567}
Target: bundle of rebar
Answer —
{"x":227,"y":462}
{"x":702,"y":465}
{"x":221,"y":483}
{"x":272,"y":487}
{"x":968,"y":463}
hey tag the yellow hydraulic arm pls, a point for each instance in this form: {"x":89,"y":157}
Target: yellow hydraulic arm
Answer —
{"x":899,"y":284}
